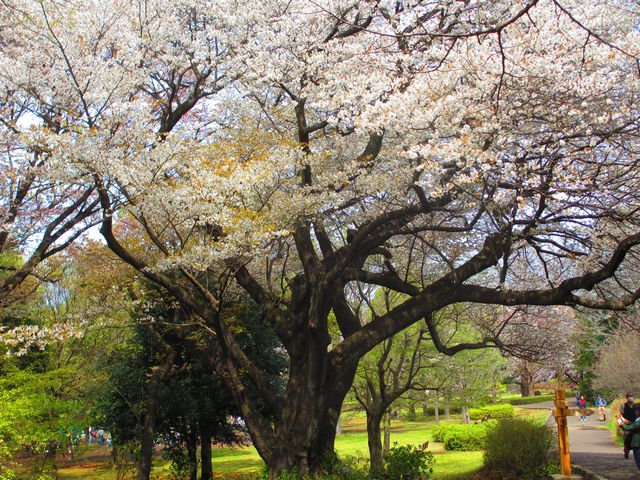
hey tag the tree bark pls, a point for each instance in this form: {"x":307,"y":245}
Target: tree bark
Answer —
{"x":148,"y":428}
{"x":526,"y":382}
{"x":465,"y":414}
{"x":437,"y":408}
{"x":375,"y":442}
{"x":192,"y":454}
{"x":387,"y":431}
{"x":447,"y":408}
{"x":158,"y":376}
{"x":206,"y":464}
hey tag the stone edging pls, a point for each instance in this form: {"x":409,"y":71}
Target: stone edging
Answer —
{"x":586,"y":473}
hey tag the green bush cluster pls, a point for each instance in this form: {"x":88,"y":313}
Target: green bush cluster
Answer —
{"x":408,"y":460}
{"x":462,"y":437}
{"x":501,"y":410}
{"x":520,"y":448}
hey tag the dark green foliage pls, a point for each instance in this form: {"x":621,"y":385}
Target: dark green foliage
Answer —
{"x":520,"y":447}
{"x":408,"y":460}
{"x":501,"y":410}
{"x":193,"y":399}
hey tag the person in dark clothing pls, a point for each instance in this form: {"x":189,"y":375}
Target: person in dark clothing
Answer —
{"x":628,"y":414}
{"x":632,"y":430}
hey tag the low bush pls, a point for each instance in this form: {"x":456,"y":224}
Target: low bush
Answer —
{"x":472,"y":438}
{"x":461,"y":437}
{"x":520,"y":448}
{"x":501,"y":410}
{"x":408,"y":460}
{"x":439,"y":431}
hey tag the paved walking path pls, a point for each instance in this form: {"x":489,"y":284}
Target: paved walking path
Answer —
{"x":591,"y":446}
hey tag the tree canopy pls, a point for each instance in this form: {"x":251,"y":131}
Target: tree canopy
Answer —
{"x":304,"y":152}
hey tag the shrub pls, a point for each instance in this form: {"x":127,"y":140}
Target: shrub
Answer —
{"x":439,"y":431}
{"x":408,"y":460}
{"x":517,"y":446}
{"x":461,"y":437}
{"x":466,"y":439}
{"x":501,"y":410}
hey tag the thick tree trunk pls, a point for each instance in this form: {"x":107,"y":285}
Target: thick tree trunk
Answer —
{"x":425,"y":409}
{"x":437,"y":408}
{"x":206,"y":464}
{"x":375,"y":442}
{"x":526,"y":389}
{"x":526,"y":380}
{"x":305,"y":429}
{"x":305,"y":436}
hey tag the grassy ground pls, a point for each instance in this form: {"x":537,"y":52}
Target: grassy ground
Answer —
{"x":243,"y":463}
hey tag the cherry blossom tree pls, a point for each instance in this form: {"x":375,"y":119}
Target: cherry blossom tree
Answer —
{"x":539,"y":341}
{"x":290,"y":149}
{"x":612,"y":373}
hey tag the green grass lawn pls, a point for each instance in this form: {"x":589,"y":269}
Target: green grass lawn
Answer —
{"x":242,"y":463}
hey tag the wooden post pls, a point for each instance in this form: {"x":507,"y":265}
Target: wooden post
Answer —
{"x":560,"y":413}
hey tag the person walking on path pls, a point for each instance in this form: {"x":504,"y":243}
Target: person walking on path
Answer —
{"x":628,"y":415}
{"x":601,"y":403}
{"x":582,"y":405}
{"x":631,"y":430}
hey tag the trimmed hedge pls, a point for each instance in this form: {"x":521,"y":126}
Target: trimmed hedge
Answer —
{"x":501,"y":410}
{"x":461,"y":437}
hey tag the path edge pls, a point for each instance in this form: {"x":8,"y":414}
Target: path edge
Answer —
{"x":586,"y":473}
